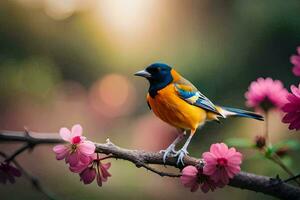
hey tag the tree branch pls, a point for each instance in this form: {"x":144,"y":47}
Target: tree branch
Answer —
{"x":33,"y":180}
{"x":162,"y":174}
{"x":269,"y":186}
{"x":17,"y":152}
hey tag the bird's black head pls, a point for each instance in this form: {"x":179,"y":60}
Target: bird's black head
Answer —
{"x":158,"y":74}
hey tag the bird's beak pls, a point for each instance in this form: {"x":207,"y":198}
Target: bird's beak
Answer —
{"x":143,"y":73}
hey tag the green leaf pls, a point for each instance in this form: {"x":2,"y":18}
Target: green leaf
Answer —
{"x":239,"y":142}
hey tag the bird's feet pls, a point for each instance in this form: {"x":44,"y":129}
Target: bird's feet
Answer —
{"x":170,"y":151}
{"x":181,"y":153}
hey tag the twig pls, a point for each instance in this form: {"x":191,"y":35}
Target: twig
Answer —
{"x":34,"y":181}
{"x":278,"y":161}
{"x":106,"y":157}
{"x":17,"y":152}
{"x":275,"y":158}
{"x":292,"y":178}
{"x":242,"y":180}
{"x":267,"y":128}
{"x":160,"y":173}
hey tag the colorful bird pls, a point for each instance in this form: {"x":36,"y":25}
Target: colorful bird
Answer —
{"x":179,"y":103}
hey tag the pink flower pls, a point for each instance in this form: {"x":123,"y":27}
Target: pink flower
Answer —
{"x":80,"y":166}
{"x":189,"y":178}
{"x":292,"y":109}
{"x":266,"y":93}
{"x":78,"y":151}
{"x":295,"y":60}
{"x":93,"y":170}
{"x":221,"y":163}
{"x":8,"y":173}
{"x":88,"y":175}
{"x":192,"y":178}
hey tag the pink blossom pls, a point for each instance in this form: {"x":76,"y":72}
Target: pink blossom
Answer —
{"x":8,"y":173}
{"x":95,"y":169}
{"x":189,"y":178}
{"x":221,"y":163}
{"x":266,"y":93}
{"x":295,"y":60}
{"x":80,"y":166}
{"x":88,"y":175}
{"x":78,"y":151}
{"x":292,"y":109}
{"x":192,"y":178}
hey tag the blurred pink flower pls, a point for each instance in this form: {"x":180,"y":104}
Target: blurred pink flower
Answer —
{"x":192,"y":178}
{"x":95,"y":168}
{"x":79,"y":150}
{"x":221,"y":163}
{"x":8,"y":173}
{"x":292,"y":109}
{"x":266,"y":93}
{"x":295,"y":60}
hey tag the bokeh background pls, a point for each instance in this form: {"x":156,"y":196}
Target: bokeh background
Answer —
{"x":64,"y":62}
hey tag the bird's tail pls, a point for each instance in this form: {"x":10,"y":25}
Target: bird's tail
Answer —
{"x":226,"y":112}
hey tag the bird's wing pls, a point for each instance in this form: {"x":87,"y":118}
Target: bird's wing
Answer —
{"x":188,"y":92}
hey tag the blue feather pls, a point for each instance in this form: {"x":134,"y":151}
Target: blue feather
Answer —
{"x":196,"y":98}
{"x":185,"y":94}
{"x":243,"y":113}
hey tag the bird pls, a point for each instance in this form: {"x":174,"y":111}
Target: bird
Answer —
{"x":179,"y":103}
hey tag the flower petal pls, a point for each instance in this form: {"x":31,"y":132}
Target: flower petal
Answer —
{"x":84,"y":158}
{"x":104,"y":171}
{"x":60,"y":148}
{"x":87,"y":147}
{"x":189,"y":176}
{"x":78,"y":168}
{"x":296,"y":70}
{"x":209,"y":158}
{"x":295,"y":90}
{"x":14,"y":171}
{"x":209,"y":169}
{"x":195,"y":187}
{"x":266,"y":90}
{"x":61,"y":151}
{"x":65,"y":134}
{"x":88,"y":175}
{"x":76,"y":130}
{"x":73,"y":159}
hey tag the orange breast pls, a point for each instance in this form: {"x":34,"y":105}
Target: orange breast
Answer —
{"x":172,"y":109}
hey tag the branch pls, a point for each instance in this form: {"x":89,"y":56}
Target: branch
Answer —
{"x":17,"y":152}
{"x":33,"y":180}
{"x":162,"y":174}
{"x":292,"y":178}
{"x":243,"y":180}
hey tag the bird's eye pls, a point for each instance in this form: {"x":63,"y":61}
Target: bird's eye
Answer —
{"x":154,"y":70}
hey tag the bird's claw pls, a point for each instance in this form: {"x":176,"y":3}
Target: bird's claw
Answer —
{"x":181,"y":153}
{"x":167,"y":152}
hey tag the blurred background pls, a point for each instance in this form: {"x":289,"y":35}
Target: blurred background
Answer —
{"x":64,"y":62}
